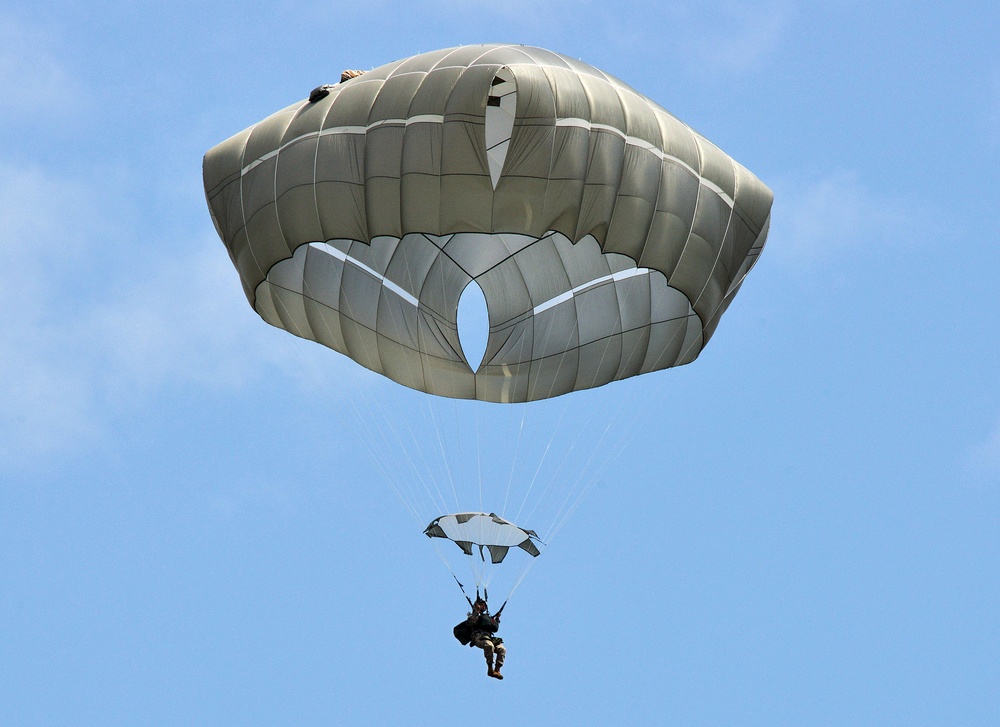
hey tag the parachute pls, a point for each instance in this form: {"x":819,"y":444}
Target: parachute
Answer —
{"x":492,"y":532}
{"x":606,"y":236}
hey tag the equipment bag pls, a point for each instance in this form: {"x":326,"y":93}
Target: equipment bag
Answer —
{"x":463,"y":632}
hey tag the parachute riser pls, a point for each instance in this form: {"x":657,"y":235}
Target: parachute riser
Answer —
{"x":463,"y":590}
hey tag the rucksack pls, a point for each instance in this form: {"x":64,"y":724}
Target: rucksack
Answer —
{"x":463,"y":632}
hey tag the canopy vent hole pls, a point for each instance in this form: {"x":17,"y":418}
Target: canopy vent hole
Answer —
{"x":473,"y":324}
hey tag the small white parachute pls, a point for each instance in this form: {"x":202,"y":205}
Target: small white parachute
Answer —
{"x":468,"y":529}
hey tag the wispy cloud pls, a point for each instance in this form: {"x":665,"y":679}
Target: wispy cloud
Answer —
{"x":819,"y":219}
{"x":710,"y":40}
{"x":45,"y":400}
{"x":183,"y":319}
{"x":31,"y":72}
{"x":729,"y":38}
{"x":86,"y":337}
{"x":47,"y":404}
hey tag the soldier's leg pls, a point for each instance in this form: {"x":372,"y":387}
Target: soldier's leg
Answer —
{"x":487,"y":646}
{"x":501,"y":652}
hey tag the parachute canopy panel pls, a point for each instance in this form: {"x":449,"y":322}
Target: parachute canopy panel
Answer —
{"x":489,"y":531}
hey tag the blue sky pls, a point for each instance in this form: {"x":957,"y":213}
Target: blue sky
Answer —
{"x":801,"y":529}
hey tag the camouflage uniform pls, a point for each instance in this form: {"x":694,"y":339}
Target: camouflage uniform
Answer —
{"x":484,"y":628}
{"x":490,"y":644}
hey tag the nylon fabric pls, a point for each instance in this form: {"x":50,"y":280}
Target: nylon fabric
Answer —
{"x":392,"y":169}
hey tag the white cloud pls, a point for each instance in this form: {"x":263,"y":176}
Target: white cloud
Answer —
{"x":86,"y":337}
{"x":31,"y":73}
{"x":186,"y":321}
{"x":45,"y":399}
{"x":714,"y":37}
{"x":729,"y":39}
{"x":47,"y":402}
{"x":183,"y":318}
{"x":712,"y":41}
{"x":817,"y":220}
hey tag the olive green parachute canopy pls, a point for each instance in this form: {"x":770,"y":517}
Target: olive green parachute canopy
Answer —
{"x":607,"y":236}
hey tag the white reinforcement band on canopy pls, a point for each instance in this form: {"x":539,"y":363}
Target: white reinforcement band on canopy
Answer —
{"x":344,"y":257}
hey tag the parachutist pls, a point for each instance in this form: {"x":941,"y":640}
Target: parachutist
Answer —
{"x":479,"y":631}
